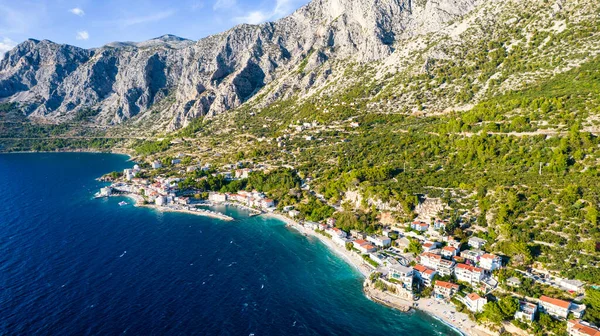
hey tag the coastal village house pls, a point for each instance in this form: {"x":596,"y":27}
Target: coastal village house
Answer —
{"x":379,"y":258}
{"x":572,"y":285}
{"x":308,"y":224}
{"x":367,"y":248}
{"x":160,"y":200}
{"x":444,"y":290}
{"x":526,"y":311}
{"x":451,"y":241}
{"x":359,"y":242}
{"x":468,"y":273}
{"x":105,"y":192}
{"x":380,"y":241}
{"x":429,"y":246}
{"x":243,"y":173}
{"x":458,"y":259}
{"x":435,"y":261}
{"x":430,"y":260}
{"x":335,"y":232}
{"x":363,"y":246}
{"x":446,"y":267}
{"x":440,"y":225}
{"x":449,"y":252}
{"x":338,"y":236}
{"x":402,"y":243}
{"x":560,"y":308}
{"x":357,"y":234}
{"x":424,"y":274}
{"x":472,"y":255}
{"x":513,"y":282}
{"x":419,"y":226}
{"x":129,"y":174}
{"x":217,"y":197}
{"x":490,"y":262}
{"x":267,"y":203}
{"x":474,"y":302}
{"x":182,"y":200}
{"x":582,"y":328}
{"x":340,"y":240}
{"x":402,"y":274}
{"x":476,"y":242}
{"x":156,"y":164}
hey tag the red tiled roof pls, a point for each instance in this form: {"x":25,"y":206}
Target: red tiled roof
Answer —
{"x":430,"y":255}
{"x":445,"y":284}
{"x":469,"y":268}
{"x":473,"y":296}
{"x":420,"y":268}
{"x":555,"y":302}
{"x":448,"y":263}
{"x":489,"y":256}
{"x":360,"y":242}
{"x":584,"y":329}
{"x":449,"y":248}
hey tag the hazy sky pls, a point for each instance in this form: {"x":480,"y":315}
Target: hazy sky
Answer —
{"x":93,"y":23}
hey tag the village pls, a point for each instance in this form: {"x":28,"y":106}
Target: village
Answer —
{"x":406,"y":267}
{"x":163,"y":193}
{"x":449,"y":271}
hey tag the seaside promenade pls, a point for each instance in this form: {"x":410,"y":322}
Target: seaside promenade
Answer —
{"x":440,"y":310}
{"x":139,"y":202}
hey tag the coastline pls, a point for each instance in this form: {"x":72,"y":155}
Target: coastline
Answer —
{"x":443,"y":312}
{"x":352,"y":259}
{"x":440,"y":311}
{"x":139,"y":202}
{"x":118,"y":151}
{"x":459,"y":322}
{"x":447,"y":314}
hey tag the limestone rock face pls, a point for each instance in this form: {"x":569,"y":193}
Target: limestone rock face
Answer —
{"x":180,"y":80}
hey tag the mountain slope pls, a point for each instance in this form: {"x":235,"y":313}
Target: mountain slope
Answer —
{"x":182,"y":80}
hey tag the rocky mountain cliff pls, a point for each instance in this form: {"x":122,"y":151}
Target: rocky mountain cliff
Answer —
{"x":169,"y":81}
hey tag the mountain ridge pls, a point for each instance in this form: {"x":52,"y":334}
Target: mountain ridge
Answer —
{"x":186,"y":79}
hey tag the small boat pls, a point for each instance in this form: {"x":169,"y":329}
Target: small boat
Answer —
{"x":122,"y":203}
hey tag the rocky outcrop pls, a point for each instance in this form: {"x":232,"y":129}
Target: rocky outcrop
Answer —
{"x":182,"y":80}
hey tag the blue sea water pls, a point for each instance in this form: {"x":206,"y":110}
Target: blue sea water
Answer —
{"x":72,"y":265}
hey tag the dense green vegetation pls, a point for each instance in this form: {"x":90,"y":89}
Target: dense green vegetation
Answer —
{"x":85,"y":114}
{"x":534,"y":187}
{"x":7,"y":107}
{"x":501,"y":310}
{"x":152,"y":147}
{"x":281,"y":184}
{"x":592,"y":301}
{"x":58,"y":144}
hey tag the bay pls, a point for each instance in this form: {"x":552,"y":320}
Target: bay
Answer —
{"x":73,"y":265}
